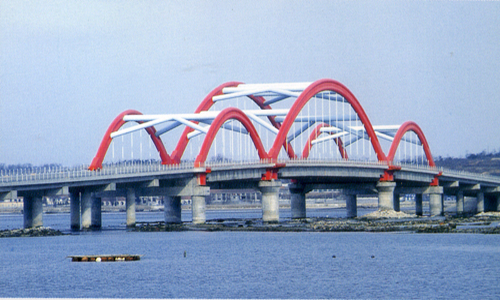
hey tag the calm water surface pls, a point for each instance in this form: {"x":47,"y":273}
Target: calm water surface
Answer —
{"x":250,"y":264}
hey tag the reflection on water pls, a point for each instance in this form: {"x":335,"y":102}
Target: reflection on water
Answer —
{"x":118,"y":220}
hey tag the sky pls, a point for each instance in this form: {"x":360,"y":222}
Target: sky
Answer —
{"x":68,"y":68}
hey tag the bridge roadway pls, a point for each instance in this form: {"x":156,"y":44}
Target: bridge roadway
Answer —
{"x":87,"y":188}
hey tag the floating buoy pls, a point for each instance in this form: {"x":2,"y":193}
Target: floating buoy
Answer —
{"x":185,"y":254}
{"x":373,"y":256}
{"x":333,"y":256}
{"x":105,"y":258}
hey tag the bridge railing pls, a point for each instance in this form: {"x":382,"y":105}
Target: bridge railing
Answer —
{"x":36,"y":174}
{"x":41,"y":174}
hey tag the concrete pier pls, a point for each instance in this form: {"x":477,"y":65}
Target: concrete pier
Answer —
{"x":351,"y":205}
{"x":397,"y":203}
{"x":418,"y":205}
{"x":33,"y":212}
{"x":270,"y":200}
{"x":198,"y":206}
{"x":173,"y":209}
{"x":386,"y":195}
{"x":436,"y":201}
{"x":460,"y":203}
{"x":86,"y":207}
{"x":130,"y":205}
{"x":96,"y":219}
{"x":480,"y":202}
{"x":297,"y":201}
{"x":75,"y":210}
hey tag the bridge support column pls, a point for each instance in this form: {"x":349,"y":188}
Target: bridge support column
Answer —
{"x":351,"y":205}
{"x":270,"y":200}
{"x":198,"y":206}
{"x":386,"y":195}
{"x":480,"y":202}
{"x":490,"y":203}
{"x":460,"y":203}
{"x":173,"y":210}
{"x":75,"y":210}
{"x":86,"y":207}
{"x":96,"y":219}
{"x":33,"y":212}
{"x":397,"y":203}
{"x":297,"y":201}
{"x":436,"y":201}
{"x":418,"y":205}
{"x":130,"y":205}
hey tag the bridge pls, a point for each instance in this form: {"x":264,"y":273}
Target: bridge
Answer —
{"x":314,"y":135}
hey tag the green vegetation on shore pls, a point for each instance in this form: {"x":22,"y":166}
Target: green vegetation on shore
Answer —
{"x":483,"y":163}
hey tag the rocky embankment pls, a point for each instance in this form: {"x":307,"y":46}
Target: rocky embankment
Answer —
{"x":379,"y":221}
{"x":30,"y":232}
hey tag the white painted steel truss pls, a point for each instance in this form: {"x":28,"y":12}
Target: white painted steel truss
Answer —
{"x":201,"y":122}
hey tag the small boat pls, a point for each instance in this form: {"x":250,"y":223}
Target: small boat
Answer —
{"x":105,"y":257}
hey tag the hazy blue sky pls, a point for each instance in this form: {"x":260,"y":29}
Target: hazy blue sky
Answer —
{"x":67,"y":68}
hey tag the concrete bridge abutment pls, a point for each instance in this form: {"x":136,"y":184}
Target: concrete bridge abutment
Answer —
{"x":270,"y":200}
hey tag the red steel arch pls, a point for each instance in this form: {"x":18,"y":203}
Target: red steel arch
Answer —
{"x":314,"y":134}
{"x":410,"y":126}
{"x":228,"y":114}
{"x":283,"y":128}
{"x":115,"y":125}
{"x":205,"y":105}
{"x":313,"y":89}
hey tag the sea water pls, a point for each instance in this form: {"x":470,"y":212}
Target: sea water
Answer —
{"x":249,"y":264}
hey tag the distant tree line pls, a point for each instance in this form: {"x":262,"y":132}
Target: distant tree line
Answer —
{"x":28,"y":166}
{"x":487,"y":163}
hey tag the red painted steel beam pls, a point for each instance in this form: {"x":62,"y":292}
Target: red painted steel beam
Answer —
{"x":410,"y":126}
{"x":117,"y":123}
{"x":313,"y":89}
{"x":228,"y":114}
{"x":206,"y":104}
{"x":317,"y":132}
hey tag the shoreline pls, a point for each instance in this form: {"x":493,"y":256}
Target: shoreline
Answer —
{"x":378,"y":221}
